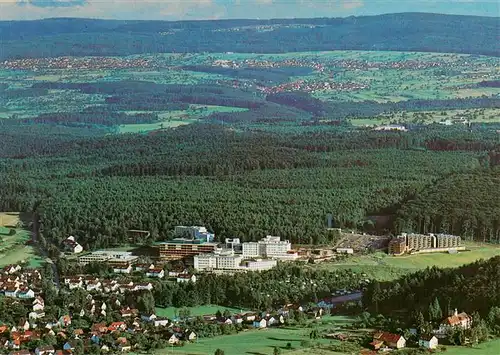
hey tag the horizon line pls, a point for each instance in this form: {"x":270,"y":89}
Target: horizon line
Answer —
{"x":251,"y":19}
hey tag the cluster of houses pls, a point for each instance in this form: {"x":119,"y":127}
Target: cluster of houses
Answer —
{"x":16,"y":337}
{"x":94,"y":283}
{"x":18,"y":283}
{"x":384,"y":341}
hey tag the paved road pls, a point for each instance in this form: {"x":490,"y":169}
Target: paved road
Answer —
{"x":35,"y":237}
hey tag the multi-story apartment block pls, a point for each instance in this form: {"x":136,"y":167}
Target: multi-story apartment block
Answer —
{"x":269,"y":247}
{"x":205,"y":261}
{"x":182,"y":247}
{"x":397,"y":246}
{"x":229,"y":261}
{"x":251,"y":250}
{"x":447,"y":241}
{"x":422,"y":243}
{"x":419,"y":241}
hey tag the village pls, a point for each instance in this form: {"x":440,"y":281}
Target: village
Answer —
{"x":104,"y":317}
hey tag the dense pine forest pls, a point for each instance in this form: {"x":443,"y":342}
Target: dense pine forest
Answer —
{"x":473,"y":287}
{"x":249,"y":183}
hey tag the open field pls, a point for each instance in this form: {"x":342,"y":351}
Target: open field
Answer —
{"x":171,"y":312}
{"x":488,"y":348}
{"x":456,"y":76}
{"x":259,"y":341}
{"x":12,"y":248}
{"x":173,"y":119}
{"x":428,"y":117}
{"x":384,"y":267}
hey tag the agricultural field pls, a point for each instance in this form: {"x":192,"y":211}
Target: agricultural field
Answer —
{"x":448,"y":117}
{"x":383,"y":76}
{"x":262,"y":341}
{"x":172,"y":119}
{"x":385,"y":267}
{"x":13,"y":248}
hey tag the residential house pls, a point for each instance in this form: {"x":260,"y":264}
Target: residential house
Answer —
{"x":110,"y":286}
{"x":461,"y":320}
{"x":26,"y":293}
{"x":45,"y":350}
{"x":271,"y":321}
{"x":237,"y":319}
{"x":77,"y":333}
{"x":117,"y":326}
{"x":249,"y":317}
{"x":126,"y":347}
{"x":65,"y":320}
{"x":38,"y":304}
{"x":148,"y":318}
{"x":128,"y":312}
{"x":104,"y":349}
{"x":36,"y":315}
{"x":75,"y":283}
{"x":71,"y":245}
{"x":260,"y":323}
{"x":157,"y":273}
{"x":143,"y":267}
{"x":69,"y":345}
{"x":395,"y":341}
{"x":143,"y":286}
{"x":99,"y":328}
{"x":93,"y":285}
{"x":12,"y":269}
{"x":23,"y":324}
{"x":11,"y":290}
{"x":122,"y":269}
{"x":189,"y":335}
{"x":172,"y":339}
{"x":160,"y":322}
{"x":428,"y":341}
{"x":186,"y":278}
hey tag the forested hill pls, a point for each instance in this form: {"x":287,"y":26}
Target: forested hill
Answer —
{"x":404,"y":32}
{"x":473,"y":287}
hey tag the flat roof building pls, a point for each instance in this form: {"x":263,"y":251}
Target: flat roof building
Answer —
{"x":117,"y":257}
{"x":182,"y":247}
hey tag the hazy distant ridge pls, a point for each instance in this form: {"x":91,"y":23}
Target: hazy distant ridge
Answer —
{"x":405,"y":31}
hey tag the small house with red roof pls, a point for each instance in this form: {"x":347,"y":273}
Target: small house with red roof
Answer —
{"x":390,"y":340}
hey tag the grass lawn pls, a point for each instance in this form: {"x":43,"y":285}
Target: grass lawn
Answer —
{"x":260,"y":341}
{"x":12,"y":247}
{"x":170,"y":312}
{"x":384,"y":267}
{"x":488,"y":348}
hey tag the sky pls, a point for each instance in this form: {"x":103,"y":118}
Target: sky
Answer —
{"x":223,"y":9}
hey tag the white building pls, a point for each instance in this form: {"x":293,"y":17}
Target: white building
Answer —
{"x":269,"y":247}
{"x":221,"y":260}
{"x":251,"y":250}
{"x":107,"y":255}
{"x":205,"y":261}
{"x":428,"y":342}
{"x":229,"y":261}
{"x":259,"y":264}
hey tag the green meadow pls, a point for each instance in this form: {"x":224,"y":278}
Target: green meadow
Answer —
{"x":385,"y":267}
